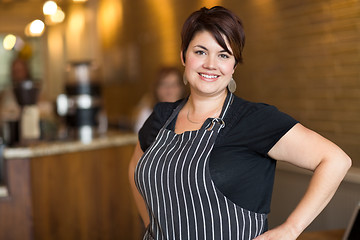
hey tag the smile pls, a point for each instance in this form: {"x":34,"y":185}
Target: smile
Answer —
{"x":209,"y":77}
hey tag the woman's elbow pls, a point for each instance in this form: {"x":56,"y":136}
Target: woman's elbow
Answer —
{"x":342,"y":161}
{"x":336,"y":161}
{"x":347,"y":162}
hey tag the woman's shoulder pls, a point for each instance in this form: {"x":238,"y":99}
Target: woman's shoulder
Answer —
{"x":258,"y":125}
{"x":246,"y":115}
{"x":246,"y":108}
{"x":163,"y":110}
{"x":155,"y":122}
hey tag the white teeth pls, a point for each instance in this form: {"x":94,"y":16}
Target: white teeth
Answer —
{"x":209,"y":76}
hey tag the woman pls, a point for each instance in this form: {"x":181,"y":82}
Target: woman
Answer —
{"x":167,"y":88}
{"x":205,"y":165}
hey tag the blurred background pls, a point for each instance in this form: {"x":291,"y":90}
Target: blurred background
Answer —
{"x":302,"y":56}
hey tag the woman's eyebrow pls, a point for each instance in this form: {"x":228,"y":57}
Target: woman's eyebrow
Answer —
{"x":222,"y":51}
{"x":200,"y":46}
{"x":226,"y":51}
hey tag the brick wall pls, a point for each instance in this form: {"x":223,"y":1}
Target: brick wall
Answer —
{"x":301,"y":55}
{"x":304,"y":57}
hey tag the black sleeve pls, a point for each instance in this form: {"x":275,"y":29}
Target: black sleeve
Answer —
{"x":259,"y":127}
{"x":265,"y":127}
{"x":154,"y":123}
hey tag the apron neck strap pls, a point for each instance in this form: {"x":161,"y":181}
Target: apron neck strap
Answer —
{"x":228,"y":101}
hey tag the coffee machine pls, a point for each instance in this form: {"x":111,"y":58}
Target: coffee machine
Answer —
{"x":26,"y":93}
{"x":81,"y":104}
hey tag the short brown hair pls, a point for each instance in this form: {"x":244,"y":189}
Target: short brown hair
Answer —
{"x":218,"y":21}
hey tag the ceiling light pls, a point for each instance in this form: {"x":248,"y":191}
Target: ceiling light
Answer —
{"x":58,"y":17}
{"x":9,"y":42}
{"x":49,"y":8}
{"x":35,"y":28}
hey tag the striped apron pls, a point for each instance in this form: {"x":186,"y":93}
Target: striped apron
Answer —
{"x":183,"y":202}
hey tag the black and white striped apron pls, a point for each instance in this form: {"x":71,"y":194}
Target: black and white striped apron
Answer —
{"x":183,"y":203}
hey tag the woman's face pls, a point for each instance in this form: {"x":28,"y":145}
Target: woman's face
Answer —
{"x":208,"y":67}
{"x":169,"y":88}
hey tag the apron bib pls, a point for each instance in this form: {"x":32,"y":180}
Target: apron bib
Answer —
{"x":183,"y":202}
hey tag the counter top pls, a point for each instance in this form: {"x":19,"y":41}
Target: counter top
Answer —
{"x":59,"y":147}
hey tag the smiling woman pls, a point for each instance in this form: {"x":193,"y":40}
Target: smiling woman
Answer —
{"x":204,"y":166}
{"x":209,"y":67}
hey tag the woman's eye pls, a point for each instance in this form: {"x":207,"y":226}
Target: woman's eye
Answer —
{"x":225,"y":56}
{"x":199,"y":52}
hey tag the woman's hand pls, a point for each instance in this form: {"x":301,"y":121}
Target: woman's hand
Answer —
{"x":306,"y":149}
{"x":282,"y":232}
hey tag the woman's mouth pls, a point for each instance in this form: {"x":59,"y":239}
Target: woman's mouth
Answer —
{"x":209,"y":77}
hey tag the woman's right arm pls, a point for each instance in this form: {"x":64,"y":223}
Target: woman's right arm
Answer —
{"x":137,"y":196}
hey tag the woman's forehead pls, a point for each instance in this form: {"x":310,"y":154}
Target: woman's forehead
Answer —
{"x":208,"y":39}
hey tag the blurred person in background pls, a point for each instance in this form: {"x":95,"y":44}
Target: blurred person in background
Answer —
{"x":168,"y":87}
{"x":10,"y":110}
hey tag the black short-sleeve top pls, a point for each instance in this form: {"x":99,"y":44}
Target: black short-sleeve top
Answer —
{"x":239,"y":165}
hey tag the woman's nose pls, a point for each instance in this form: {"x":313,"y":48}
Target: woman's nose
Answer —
{"x":210,"y":62}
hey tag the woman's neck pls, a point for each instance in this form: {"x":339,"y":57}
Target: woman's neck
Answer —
{"x":201,"y":107}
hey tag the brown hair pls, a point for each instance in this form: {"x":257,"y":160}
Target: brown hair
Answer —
{"x":218,"y":21}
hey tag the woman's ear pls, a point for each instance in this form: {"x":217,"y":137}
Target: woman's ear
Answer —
{"x":182,"y":58}
{"x":234,"y":68}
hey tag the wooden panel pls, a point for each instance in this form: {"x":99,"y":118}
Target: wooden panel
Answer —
{"x":322,"y":235}
{"x":84,"y":195}
{"x":16,"y":210}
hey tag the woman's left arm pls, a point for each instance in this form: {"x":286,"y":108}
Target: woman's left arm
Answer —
{"x":306,"y":149}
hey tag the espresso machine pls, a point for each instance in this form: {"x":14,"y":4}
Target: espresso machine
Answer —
{"x":26,"y":93}
{"x":81,"y":104}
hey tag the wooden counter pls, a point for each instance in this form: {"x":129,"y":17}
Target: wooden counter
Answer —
{"x":112,"y":139}
{"x":70,"y":190}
